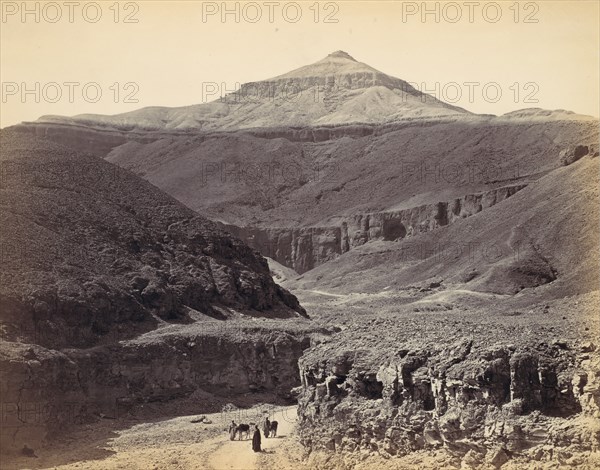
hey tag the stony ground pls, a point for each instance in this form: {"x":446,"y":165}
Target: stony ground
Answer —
{"x":374,"y":322}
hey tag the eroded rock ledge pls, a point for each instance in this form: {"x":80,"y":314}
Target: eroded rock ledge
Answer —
{"x":483,"y":404}
{"x":305,"y":248}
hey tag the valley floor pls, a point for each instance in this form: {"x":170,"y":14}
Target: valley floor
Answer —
{"x":176,"y":444}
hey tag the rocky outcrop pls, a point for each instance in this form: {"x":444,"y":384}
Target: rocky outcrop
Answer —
{"x":288,"y":87}
{"x":300,"y":249}
{"x":393,"y":225}
{"x":304,"y":248}
{"x":572,"y":154}
{"x":484,"y":404}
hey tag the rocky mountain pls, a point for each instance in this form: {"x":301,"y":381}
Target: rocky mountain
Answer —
{"x":335,"y":90}
{"x":88,"y":247}
{"x":304,"y":196}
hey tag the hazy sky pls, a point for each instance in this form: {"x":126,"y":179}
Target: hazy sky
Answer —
{"x":171,"y":52}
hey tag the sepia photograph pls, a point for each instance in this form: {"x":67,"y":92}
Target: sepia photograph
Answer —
{"x":300,"y":235}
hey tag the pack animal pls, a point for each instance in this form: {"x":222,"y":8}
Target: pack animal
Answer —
{"x":243,"y":429}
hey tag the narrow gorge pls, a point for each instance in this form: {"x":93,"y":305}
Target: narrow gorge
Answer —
{"x":305,"y":248}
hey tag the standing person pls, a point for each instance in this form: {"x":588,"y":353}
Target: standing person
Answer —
{"x":232,"y":428}
{"x":266,"y":427}
{"x":256,"y":439}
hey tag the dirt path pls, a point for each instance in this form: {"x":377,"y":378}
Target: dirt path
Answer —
{"x":172,"y":444}
{"x":238,"y":455}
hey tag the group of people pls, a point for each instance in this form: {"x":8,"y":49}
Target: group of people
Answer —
{"x":269,"y":428}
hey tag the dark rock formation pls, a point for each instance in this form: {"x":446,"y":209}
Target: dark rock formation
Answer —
{"x":89,"y":247}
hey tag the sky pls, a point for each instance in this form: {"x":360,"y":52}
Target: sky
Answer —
{"x":109,"y":57}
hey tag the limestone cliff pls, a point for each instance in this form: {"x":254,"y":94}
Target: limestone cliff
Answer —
{"x":304,"y":248}
{"x":481,"y":403}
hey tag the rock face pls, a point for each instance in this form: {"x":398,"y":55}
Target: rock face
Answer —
{"x":45,"y":391}
{"x":488,"y":402}
{"x":302,"y":249}
{"x":572,"y":154}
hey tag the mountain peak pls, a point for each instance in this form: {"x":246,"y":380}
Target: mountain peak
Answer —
{"x":342,"y":55}
{"x":336,"y":63}
{"x":335,"y":90}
